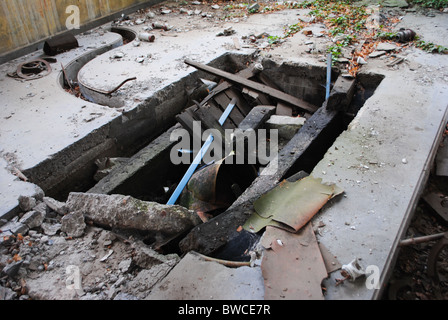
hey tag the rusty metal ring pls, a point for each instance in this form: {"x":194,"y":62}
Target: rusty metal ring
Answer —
{"x":433,"y":256}
{"x":33,"y":76}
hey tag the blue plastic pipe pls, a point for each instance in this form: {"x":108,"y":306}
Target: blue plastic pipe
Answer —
{"x":197,"y":160}
{"x":327,"y":95}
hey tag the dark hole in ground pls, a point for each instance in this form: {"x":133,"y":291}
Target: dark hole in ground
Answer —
{"x":156,"y":182}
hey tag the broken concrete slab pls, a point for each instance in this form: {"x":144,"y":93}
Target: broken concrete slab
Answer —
{"x":32,"y":219}
{"x":56,"y":205}
{"x":376,"y":54}
{"x":287,"y":126}
{"x":146,"y":257}
{"x":13,"y":227}
{"x":73,"y":224}
{"x":126,"y":212}
{"x":195,"y":279}
{"x":385,"y":46}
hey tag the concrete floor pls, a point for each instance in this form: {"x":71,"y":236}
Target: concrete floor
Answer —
{"x":381,"y":161}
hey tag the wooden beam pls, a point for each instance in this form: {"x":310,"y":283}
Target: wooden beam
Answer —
{"x":277,"y":94}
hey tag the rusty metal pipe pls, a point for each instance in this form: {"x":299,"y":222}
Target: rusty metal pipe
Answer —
{"x":422,"y":239}
{"x":197,"y":160}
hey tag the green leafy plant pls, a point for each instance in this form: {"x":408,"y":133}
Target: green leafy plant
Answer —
{"x":386,"y":35}
{"x":436,"y":4}
{"x":430,"y":47}
{"x":336,"y":52}
{"x":274,"y":39}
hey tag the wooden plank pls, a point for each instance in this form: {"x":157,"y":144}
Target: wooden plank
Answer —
{"x":208,"y":121}
{"x":235,"y":116}
{"x":257,"y":117}
{"x":241,"y":103}
{"x":212,"y":235}
{"x":259,"y":97}
{"x":186,"y":119}
{"x":216,"y":110}
{"x":284,"y":97}
{"x":283,"y":110}
{"x":245,"y":73}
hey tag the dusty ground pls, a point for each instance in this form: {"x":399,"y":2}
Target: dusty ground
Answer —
{"x":48,"y":265}
{"x":410,"y":279}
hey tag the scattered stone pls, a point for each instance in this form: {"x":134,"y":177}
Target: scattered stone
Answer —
{"x":50,"y":229}
{"x":166,"y":11}
{"x":125,"y":265}
{"x":341,"y":60}
{"x":12,"y":269}
{"x":196,"y":3}
{"x":384,"y":46}
{"x":32,"y":219}
{"x":215,"y":6}
{"x":42,"y":208}
{"x":146,"y":257}
{"x":26,"y":203}
{"x":13,"y":227}
{"x":7,"y":294}
{"x":307,"y":19}
{"x":125,"y":296}
{"x":117,"y":55}
{"x":361,"y":61}
{"x":226,"y":32}
{"x":150,"y":15}
{"x":56,"y":205}
{"x":107,"y":255}
{"x":73,"y":224}
{"x":376,"y":54}
{"x":139,"y":21}
{"x":254,"y":7}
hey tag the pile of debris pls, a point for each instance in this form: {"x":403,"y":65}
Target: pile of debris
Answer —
{"x":55,"y":250}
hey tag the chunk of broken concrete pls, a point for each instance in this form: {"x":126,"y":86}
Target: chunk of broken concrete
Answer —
{"x":376,"y":54}
{"x":73,"y":224}
{"x":12,"y":269}
{"x":32,"y":219}
{"x":384,"y":46}
{"x":50,"y":229}
{"x":126,"y":212}
{"x":56,"y":205}
{"x":26,"y":203}
{"x":286,"y":126}
{"x":13,"y":227}
{"x":146,"y":257}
